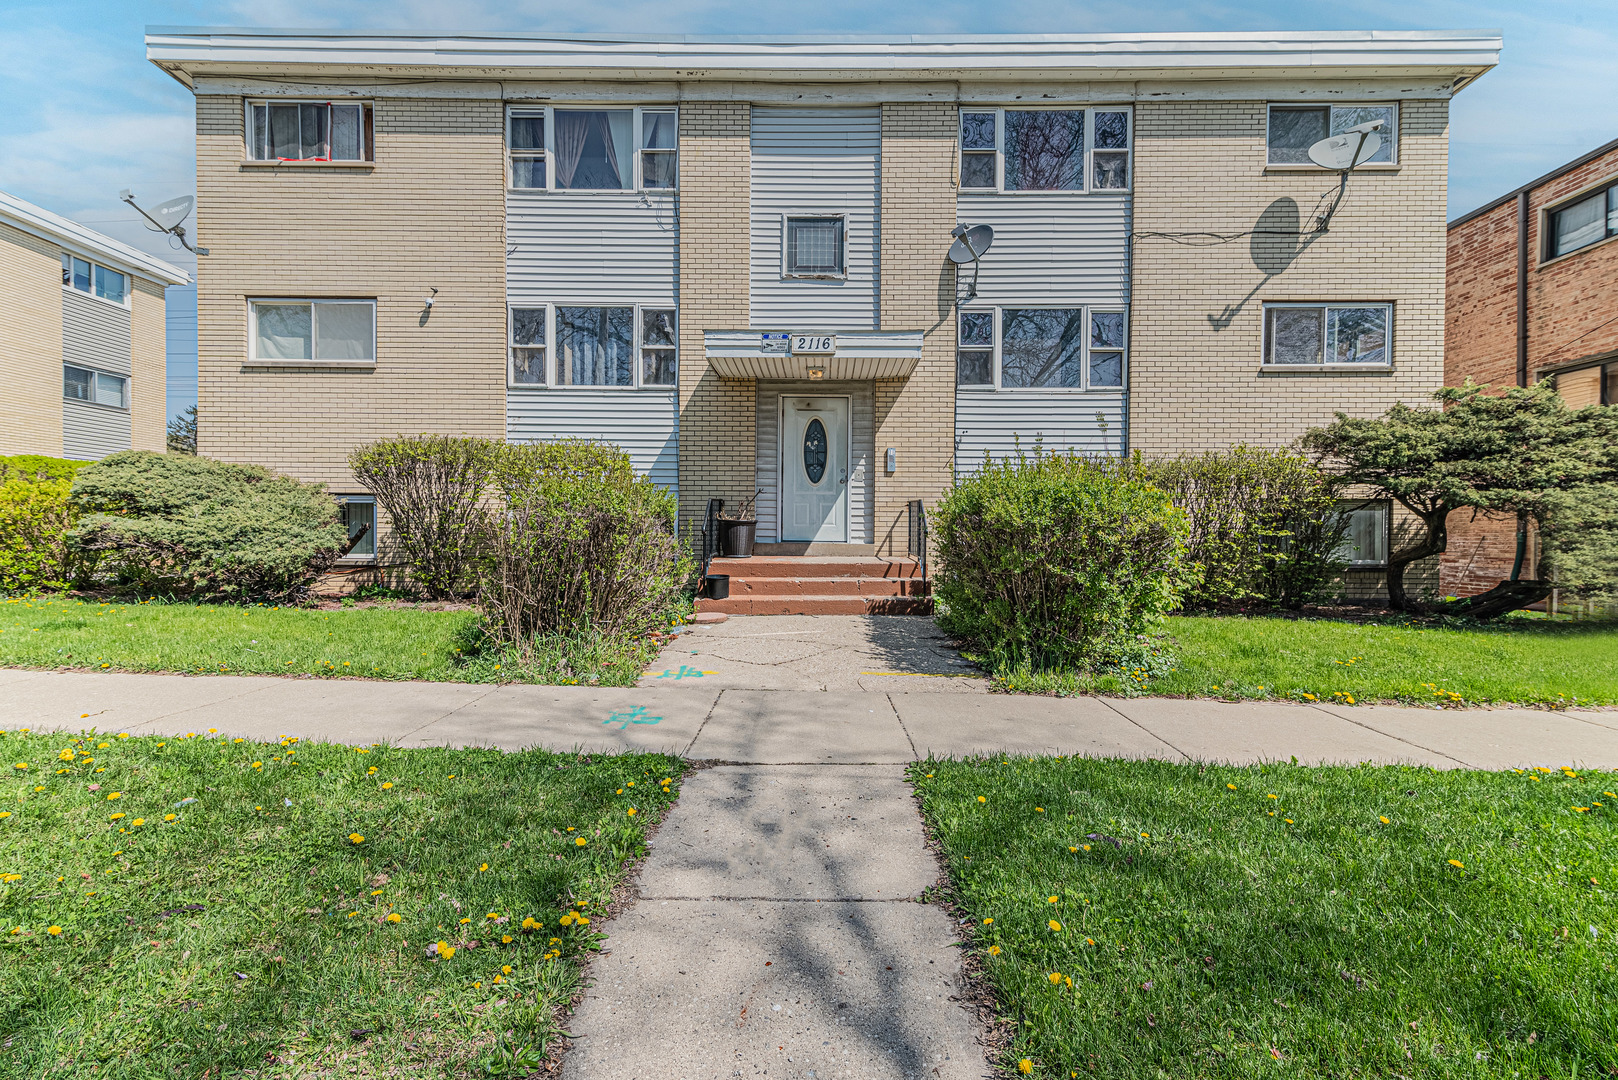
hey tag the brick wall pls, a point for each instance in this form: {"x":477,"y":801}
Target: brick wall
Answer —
{"x":1571,"y":301}
{"x":915,"y":416}
{"x":717,"y":421}
{"x":30,"y":345}
{"x":1196,"y":314}
{"x":148,"y":394}
{"x":429,"y":213}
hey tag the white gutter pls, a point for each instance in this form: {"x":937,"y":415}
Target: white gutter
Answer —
{"x":186,"y":52}
{"x":86,"y":242}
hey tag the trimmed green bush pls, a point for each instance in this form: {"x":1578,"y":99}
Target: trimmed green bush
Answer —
{"x":581,"y":543}
{"x":1264,"y":524}
{"x":1580,"y":535}
{"x":1058,"y":562}
{"x":433,"y":489}
{"x":186,"y":526}
{"x":35,"y":517}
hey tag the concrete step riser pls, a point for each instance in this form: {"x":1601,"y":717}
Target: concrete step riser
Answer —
{"x":827,"y":587}
{"x":762,"y":567}
{"x":820,"y":605}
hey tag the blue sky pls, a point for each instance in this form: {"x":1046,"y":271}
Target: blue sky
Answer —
{"x":85,"y":115}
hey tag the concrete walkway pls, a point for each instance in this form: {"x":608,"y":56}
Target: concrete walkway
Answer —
{"x":691,"y":717}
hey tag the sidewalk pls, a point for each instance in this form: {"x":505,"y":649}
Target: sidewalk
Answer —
{"x":693,"y":718}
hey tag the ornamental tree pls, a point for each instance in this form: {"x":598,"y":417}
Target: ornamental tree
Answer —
{"x":1523,"y":451}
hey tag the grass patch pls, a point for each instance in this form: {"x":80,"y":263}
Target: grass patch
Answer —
{"x":1524,"y":661}
{"x":224,"y":905}
{"x":1285,"y":920}
{"x":372,"y":642}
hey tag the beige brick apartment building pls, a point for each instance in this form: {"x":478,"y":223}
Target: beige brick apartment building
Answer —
{"x":729,"y":256}
{"x":82,"y":354}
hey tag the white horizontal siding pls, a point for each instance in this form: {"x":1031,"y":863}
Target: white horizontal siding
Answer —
{"x":91,"y":432}
{"x":767,"y":455}
{"x":816,"y":161}
{"x":643,"y":422}
{"x":1051,"y":248}
{"x":1002,"y":422}
{"x":592,"y":247}
{"x":95,"y":333}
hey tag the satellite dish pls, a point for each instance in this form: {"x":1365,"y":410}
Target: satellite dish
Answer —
{"x":1352,"y":148}
{"x":165,"y":216}
{"x":971,"y":244}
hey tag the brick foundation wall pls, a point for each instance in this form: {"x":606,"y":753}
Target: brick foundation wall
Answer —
{"x":915,"y":416}
{"x":30,"y":345}
{"x":717,"y":421}
{"x":430,"y":213}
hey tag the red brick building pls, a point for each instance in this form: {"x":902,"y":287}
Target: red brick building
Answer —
{"x":1532,"y":294}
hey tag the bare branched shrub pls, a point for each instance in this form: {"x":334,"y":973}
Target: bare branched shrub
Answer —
{"x":580,"y":542}
{"x":434,"y":489}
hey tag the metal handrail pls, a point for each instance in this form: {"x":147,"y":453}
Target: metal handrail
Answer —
{"x":918,"y":534}
{"x":710,"y":534}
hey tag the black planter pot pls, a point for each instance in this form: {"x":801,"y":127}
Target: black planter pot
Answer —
{"x":738,"y":541}
{"x":717,"y":586}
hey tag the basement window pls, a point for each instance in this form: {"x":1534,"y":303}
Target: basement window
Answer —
{"x":357,"y":513}
{"x":309,"y":131}
{"x":1365,"y":543}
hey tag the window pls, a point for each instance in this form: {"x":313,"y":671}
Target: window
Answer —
{"x":96,"y":387}
{"x":1578,"y":225}
{"x":1365,"y":542}
{"x":1293,"y":129}
{"x":1304,"y":335}
{"x":527,"y":346}
{"x":527,"y":141}
{"x":1595,"y":385}
{"x":594,"y":346}
{"x":815,"y":247}
{"x":1042,"y":348}
{"x":313,"y":331}
{"x":659,"y":153}
{"x":1045,"y":149}
{"x":358,"y":515}
{"x":94,"y":279}
{"x":309,"y":131}
{"x":658,"y":347}
{"x":564,"y":149}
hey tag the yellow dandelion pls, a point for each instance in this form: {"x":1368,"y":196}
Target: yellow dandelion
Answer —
{"x":1055,"y":977}
{"x":982,"y":799}
{"x":170,"y":817}
{"x":1054,"y":925}
{"x":580,"y":841}
{"x":482,"y":868}
{"x":1231,"y":786}
{"x":994,"y":950}
{"x":505,"y":939}
{"x":1025,"y":1066}
{"x":1457,"y":864}
{"x":395,"y":917}
{"x":54,"y":931}
{"x":356,"y":838}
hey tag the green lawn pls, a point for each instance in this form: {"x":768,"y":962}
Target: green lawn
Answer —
{"x":379,"y":642}
{"x":184,"y":905}
{"x":1520,"y":660}
{"x":1287,"y":921}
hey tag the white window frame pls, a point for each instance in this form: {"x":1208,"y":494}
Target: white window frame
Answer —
{"x":96,"y":373}
{"x":69,"y":258}
{"x":551,"y":383}
{"x":1089,"y":111}
{"x":1325,"y":363}
{"x":1084,"y":360}
{"x":1346,"y":507}
{"x":1329,"y":106}
{"x":637,"y":137}
{"x":370,"y":557}
{"x":253,"y":359}
{"x":787,"y":273}
{"x":367,"y":150}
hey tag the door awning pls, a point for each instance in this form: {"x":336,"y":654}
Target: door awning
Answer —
{"x":770,"y":354}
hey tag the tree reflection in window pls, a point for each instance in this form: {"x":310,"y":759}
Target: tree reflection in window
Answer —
{"x":814,"y":450}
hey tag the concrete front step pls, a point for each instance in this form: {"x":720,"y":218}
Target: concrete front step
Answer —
{"x":818,"y":605}
{"x":832,"y":586}
{"x":816,"y":566}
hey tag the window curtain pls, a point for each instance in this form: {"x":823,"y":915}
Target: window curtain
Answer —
{"x":604,"y":126}
{"x":572,"y":129}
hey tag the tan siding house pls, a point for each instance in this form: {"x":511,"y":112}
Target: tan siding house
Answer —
{"x":81,"y":338}
{"x":729,"y":256}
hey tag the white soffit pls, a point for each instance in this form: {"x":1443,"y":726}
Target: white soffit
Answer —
{"x":861,"y":354}
{"x":86,"y":243}
{"x":189,"y":52}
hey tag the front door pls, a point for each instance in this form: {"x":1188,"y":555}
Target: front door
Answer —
{"x":814,"y":468}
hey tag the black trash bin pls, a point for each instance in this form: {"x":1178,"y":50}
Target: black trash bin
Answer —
{"x":718,"y":587}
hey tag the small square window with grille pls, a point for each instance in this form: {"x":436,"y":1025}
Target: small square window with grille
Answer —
{"x":815,"y":246}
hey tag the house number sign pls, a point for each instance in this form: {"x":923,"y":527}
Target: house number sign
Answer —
{"x":814,"y":343}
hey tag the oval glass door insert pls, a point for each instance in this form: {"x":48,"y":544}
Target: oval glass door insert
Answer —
{"x":814,"y":450}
